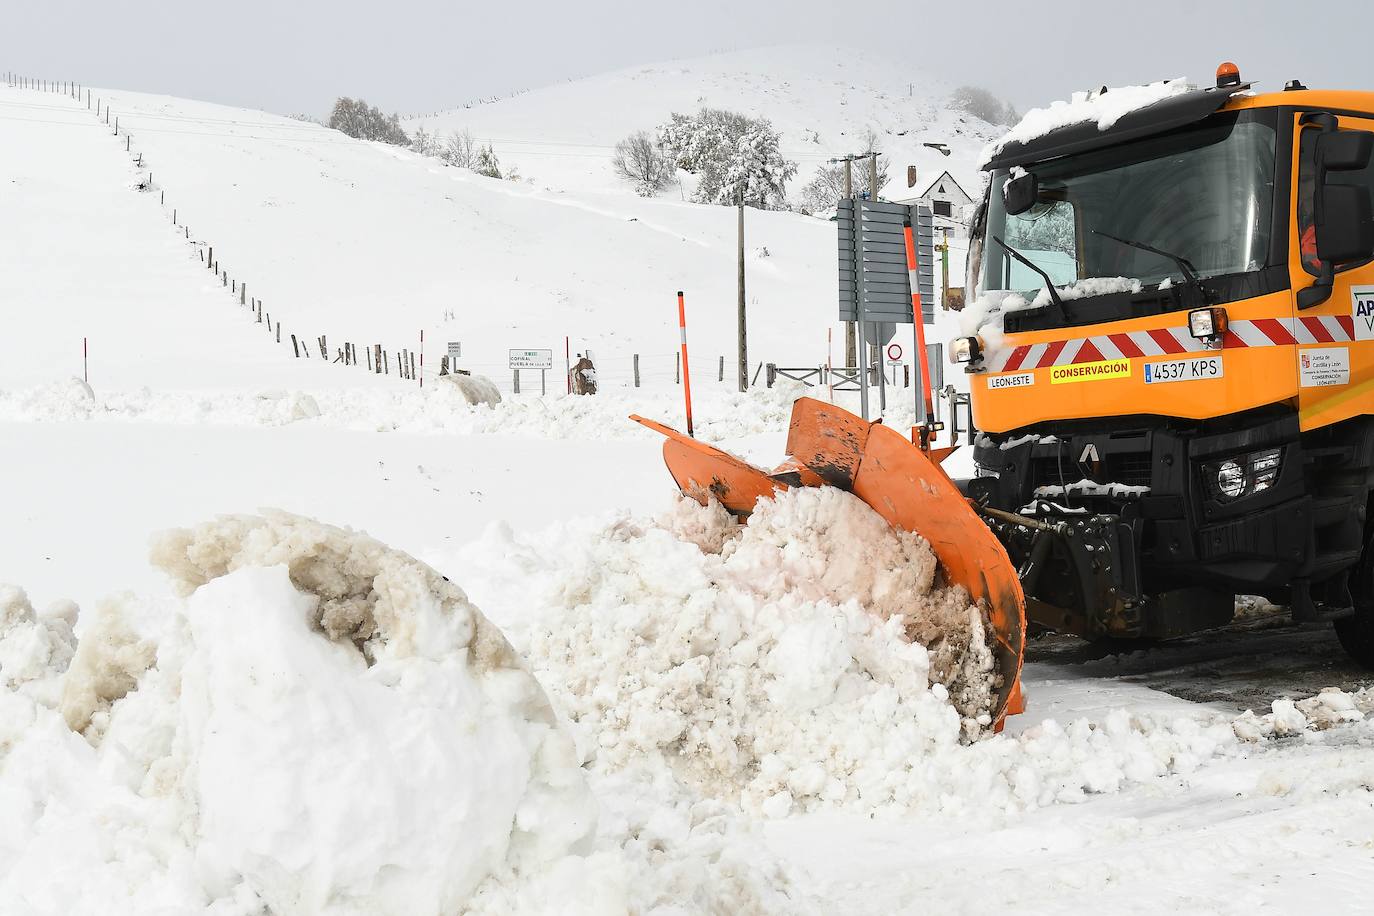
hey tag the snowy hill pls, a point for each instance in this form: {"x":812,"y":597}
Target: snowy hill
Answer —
{"x":371,"y":244}
{"x":821,"y":100}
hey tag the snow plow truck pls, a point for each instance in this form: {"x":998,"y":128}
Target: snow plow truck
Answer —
{"x":1173,"y":381}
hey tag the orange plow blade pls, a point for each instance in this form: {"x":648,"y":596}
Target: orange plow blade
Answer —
{"x":830,"y":446}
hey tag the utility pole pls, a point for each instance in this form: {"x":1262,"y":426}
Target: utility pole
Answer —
{"x":743,"y":340}
{"x":944,"y":272}
{"x":876,"y":358}
{"x":850,"y":359}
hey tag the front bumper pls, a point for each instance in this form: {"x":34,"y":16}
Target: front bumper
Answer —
{"x":1133,"y":540}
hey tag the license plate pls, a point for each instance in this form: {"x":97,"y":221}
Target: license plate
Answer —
{"x":1183,"y":370}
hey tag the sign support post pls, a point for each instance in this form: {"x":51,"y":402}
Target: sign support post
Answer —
{"x":924,"y":407}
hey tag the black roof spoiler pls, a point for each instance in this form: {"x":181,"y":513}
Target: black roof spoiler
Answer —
{"x":1166,"y":114}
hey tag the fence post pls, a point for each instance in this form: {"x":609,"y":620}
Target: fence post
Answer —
{"x":516,"y":383}
{"x":771,"y":376}
{"x":210,"y":258}
{"x":720,"y":373}
{"x":636,"y":370}
{"x":369,"y":358}
{"x":295,"y":349}
{"x":677,"y":368}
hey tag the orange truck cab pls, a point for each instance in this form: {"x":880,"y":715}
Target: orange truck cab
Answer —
{"x":1174,"y":381}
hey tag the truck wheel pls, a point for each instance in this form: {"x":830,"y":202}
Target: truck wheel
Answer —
{"x":1356,"y":632}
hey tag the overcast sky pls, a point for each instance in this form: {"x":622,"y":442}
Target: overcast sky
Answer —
{"x":411,"y":56}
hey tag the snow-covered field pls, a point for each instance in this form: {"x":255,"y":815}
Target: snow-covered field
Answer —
{"x":541,"y":682}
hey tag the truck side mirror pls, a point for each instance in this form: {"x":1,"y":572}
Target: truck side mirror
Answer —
{"x":1020,"y":193}
{"x":1345,"y":232}
{"x":1343,"y":215}
{"x":1345,"y":150}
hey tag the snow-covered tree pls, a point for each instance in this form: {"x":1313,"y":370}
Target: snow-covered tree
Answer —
{"x":487,"y":164}
{"x":356,"y":118}
{"x":731,"y":154}
{"x":981,"y":103}
{"x":640,"y":162}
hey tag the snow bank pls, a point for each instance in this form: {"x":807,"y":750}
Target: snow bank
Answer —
{"x":462,"y":405}
{"x":1104,"y":107}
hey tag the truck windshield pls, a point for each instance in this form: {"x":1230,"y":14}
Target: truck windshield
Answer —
{"x":1205,"y":193}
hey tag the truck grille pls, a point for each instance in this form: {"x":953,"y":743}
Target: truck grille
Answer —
{"x":1131,"y":469}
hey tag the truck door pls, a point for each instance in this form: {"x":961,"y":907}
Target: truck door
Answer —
{"x":1335,"y":339}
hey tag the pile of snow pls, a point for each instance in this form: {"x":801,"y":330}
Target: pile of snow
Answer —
{"x":323,"y":724}
{"x":1103,"y":107}
{"x":1090,"y":286}
{"x":774,"y":667}
{"x":473,"y":389}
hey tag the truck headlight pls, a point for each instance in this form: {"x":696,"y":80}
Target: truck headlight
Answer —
{"x":1208,"y":324}
{"x":965,"y":350}
{"x":1243,"y":475}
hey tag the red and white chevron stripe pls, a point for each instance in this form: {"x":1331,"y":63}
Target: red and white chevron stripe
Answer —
{"x":1259,"y":332}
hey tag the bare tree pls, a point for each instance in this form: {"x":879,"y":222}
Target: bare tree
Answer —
{"x":639,"y":161}
{"x":826,"y":188}
{"x":459,"y":150}
{"x":425,"y":143}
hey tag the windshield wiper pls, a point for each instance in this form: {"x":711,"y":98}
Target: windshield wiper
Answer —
{"x":1190,"y":276}
{"x":1049,"y":284}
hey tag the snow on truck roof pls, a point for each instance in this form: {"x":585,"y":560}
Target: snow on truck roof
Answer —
{"x":1091,"y":119}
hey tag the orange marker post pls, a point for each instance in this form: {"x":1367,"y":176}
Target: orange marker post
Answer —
{"x":686,"y":371}
{"x":918,"y":324}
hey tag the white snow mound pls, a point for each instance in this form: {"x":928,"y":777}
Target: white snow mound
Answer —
{"x":330,"y":726}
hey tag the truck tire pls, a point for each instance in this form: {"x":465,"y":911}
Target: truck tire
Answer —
{"x":1356,"y":632}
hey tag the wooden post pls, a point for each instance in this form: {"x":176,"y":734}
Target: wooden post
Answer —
{"x":294,"y":348}
{"x":720,"y":373}
{"x":174,"y":216}
{"x":377,"y":362}
{"x":211,"y":256}
{"x":324,"y":349}
{"x":369,"y":359}
{"x":516,"y":382}
{"x":636,"y":370}
{"x":677,"y":368}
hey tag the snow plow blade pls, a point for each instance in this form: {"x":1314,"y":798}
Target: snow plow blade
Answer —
{"x":827,"y":445}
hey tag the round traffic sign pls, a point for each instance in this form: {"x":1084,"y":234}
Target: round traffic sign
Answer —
{"x":894,"y":352}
